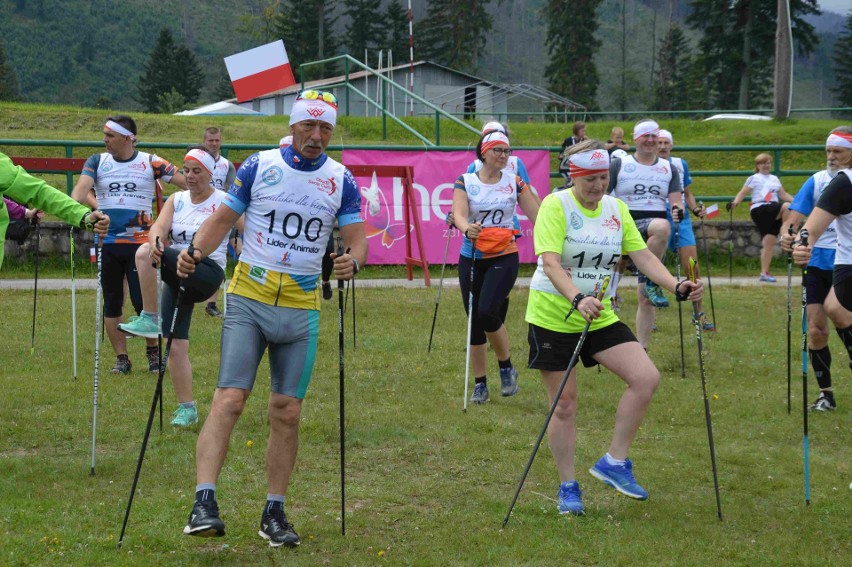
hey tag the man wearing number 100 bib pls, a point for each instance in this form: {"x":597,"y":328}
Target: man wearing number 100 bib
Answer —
{"x":291,"y":198}
{"x":122,"y":183}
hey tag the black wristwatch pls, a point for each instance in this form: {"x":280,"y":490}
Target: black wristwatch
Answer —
{"x":678,"y":295}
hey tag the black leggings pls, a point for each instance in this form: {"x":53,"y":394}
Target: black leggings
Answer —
{"x":493,"y":279}
{"x":118,"y":261}
{"x":206,"y":279}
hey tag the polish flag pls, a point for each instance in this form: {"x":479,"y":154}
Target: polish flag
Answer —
{"x":260,"y":70}
{"x":711,"y":211}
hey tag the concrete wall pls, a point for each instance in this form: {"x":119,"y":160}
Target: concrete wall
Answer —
{"x":55,"y":239}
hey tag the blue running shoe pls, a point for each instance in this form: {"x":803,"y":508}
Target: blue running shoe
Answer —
{"x":767,"y":278}
{"x":480,"y":393}
{"x":655,"y":295}
{"x":620,"y":477}
{"x":570,"y":498}
{"x":508,"y":381}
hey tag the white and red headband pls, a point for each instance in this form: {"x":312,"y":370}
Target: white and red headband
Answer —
{"x":840,"y":139}
{"x":202,"y":157}
{"x":119,"y":129}
{"x":492,"y":126}
{"x":645,"y":128}
{"x":666,"y":134}
{"x":493,"y":139}
{"x":317,"y":109}
{"x":589,"y":162}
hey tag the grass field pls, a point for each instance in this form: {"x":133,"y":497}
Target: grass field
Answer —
{"x":426,"y":484}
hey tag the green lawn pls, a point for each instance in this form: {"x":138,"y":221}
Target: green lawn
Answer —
{"x":426,"y":484}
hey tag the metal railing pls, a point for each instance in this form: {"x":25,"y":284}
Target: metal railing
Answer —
{"x":68,"y":146}
{"x":386,"y":82}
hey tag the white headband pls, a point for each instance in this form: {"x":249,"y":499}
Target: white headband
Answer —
{"x":285,"y":141}
{"x":116,"y":127}
{"x":644,"y":128}
{"x":839,"y":139}
{"x":203,"y":158}
{"x":318,"y":109}
{"x":493,"y":126}
{"x":588,"y":163}
{"x":667,"y":135}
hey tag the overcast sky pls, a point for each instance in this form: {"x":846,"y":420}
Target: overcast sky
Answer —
{"x":839,"y":6}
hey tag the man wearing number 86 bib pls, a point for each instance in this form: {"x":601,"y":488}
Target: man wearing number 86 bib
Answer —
{"x":291,"y":198}
{"x":122,"y":182}
{"x":579,"y":236}
{"x":646,"y":183}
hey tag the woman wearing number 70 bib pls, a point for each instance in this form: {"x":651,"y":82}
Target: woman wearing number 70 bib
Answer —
{"x":483,"y":206}
{"x":579,"y":236}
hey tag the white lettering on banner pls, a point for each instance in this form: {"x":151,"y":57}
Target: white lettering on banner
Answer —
{"x":435,"y":202}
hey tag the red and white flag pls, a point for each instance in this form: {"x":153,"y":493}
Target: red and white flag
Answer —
{"x":260,"y":70}
{"x":711,"y":211}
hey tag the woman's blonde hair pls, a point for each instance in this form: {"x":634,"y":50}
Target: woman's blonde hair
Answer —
{"x":584,"y":146}
{"x":761,"y":158}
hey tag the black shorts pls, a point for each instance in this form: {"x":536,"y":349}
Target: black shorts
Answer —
{"x":843,"y":285}
{"x":552,"y":350}
{"x":117,"y":262}
{"x":764,"y":217}
{"x":817,"y":285}
{"x":206,"y":279}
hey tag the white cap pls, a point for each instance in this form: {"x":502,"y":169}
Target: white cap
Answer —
{"x":619,"y":153}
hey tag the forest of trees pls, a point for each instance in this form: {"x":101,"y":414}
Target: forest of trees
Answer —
{"x":605,"y":54}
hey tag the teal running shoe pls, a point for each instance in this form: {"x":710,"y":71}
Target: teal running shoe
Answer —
{"x":140,"y":326}
{"x":655,"y":295}
{"x":185,"y":416}
{"x":620,"y":477}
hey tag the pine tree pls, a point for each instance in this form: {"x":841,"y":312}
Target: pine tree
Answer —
{"x":674,"y":62}
{"x":395,"y":22}
{"x":170,"y":65}
{"x":453,"y":33}
{"x":307,"y":30}
{"x":364,"y":31}
{"x":737,"y":47}
{"x":571,"y":44}
{"x":843,"y":65}
{"x":8,"y":79}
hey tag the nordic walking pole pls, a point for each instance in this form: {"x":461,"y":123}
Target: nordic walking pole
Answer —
{"x":440,"y":286}
{"x":707,"y":269}
{"x":73,"y":303}
{"x":789,"y":317}
{"x":469,"y":324}
{"x":340,"y":342}
{"x":730,"y":208}
{"x":679,"y":307}
{"x":803,"y":235}
{"x":35,"y":286}
{"x":697,"y":322}
{"x":354,"y":345}
{"x":97,"y":353}
{"x":158,"y":391}
{"x":159,"y":269}
{"x":600,"y":291}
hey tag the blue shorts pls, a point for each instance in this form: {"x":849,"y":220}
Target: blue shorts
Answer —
{"x":684,"y":232}
{"x":250,"y":327}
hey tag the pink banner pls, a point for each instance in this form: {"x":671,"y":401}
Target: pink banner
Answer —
{"x":434,"y":175}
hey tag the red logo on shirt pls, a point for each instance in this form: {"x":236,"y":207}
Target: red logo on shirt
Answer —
{"x":327,"y":186}
{"x":140,"y":166}
{"x":611,"y":223}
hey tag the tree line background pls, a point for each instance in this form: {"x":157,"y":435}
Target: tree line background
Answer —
{"x":604,"y":54}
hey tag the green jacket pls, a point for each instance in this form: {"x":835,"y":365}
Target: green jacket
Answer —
{"x":22,"y":187}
